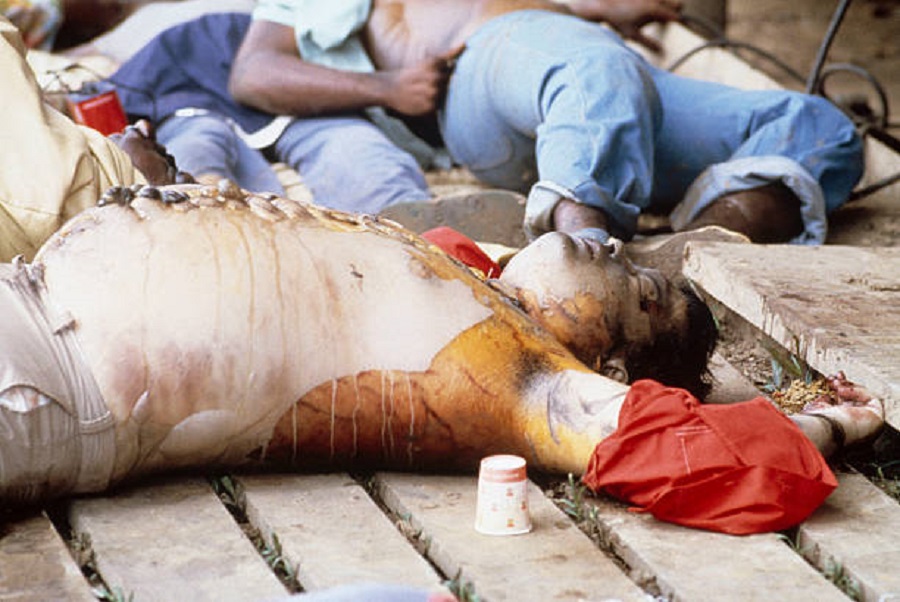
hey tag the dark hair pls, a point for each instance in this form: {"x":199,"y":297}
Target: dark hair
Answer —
{"x":680,"y":359}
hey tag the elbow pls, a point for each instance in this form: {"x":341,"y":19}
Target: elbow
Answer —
{"x":244,"y":88}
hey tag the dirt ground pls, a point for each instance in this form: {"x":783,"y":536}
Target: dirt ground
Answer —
{"x":793,"y":31}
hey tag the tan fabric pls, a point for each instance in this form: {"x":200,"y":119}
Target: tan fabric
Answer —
{"x":56,"y":433}
{"x":51,"y":167}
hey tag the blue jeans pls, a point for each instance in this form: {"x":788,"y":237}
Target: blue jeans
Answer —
{"x":346,"y":162}
{"x":207,"y":144}
{"x":543,"y":97}
{"x":349,"y":164}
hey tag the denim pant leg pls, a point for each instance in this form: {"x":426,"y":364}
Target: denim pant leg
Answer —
{"x":716,"y":139}
{"x":556,"y":92}
{"x":207,"y":144}
{"x":349,"y":164}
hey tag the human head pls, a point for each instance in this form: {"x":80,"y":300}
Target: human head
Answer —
{"x":622,"y":320}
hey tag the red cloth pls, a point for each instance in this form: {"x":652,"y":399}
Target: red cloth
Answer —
{"x":462,"y":248}
{"x":736,"y":468}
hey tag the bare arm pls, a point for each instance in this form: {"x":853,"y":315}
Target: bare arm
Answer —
{"x":269,"y":75}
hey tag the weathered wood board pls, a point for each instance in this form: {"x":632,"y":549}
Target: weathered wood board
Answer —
{"x":555,"y":561}
{"x":857,"y":533}
{"x":173,"y":540}
{"x":688,"y":564}
{"x":333,"y":532}
{"x":835,"y":307}
{"x":170,"y":540}
{"x":35,"y":564}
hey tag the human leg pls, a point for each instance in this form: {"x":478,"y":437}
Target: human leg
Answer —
{"x":206,"y":146}
{"x":349,"y":164}
{"x":774,"y":162}
{"x":557,"y":100}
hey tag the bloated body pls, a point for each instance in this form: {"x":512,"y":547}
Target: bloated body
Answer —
{"x":228,"y":330}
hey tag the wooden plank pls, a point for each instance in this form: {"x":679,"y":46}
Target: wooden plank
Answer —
{"x":856,"y":532}
{"x":173,"y":540}
{"x":690,"y":564}
{"x":35,"y":564}
{"x":555,"y":561}
{"x":329,"y":527}
{"x":835,"y":307}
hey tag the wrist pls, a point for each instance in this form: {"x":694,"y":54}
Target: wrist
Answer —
{"x":570,"y":216}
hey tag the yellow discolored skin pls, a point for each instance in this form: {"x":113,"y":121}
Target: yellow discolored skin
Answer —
{"x":232,"y":329}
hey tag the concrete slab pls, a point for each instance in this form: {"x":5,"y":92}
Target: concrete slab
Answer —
{"x":834,"y":307}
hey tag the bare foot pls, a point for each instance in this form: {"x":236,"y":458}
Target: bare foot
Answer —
{"x":850,"y":416}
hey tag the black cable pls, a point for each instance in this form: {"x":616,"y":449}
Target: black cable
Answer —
{"x":725,"y":43}
{"x":829,"y":70}
{"x":872,"y":188}
{"x":825,"y":46}
{"x":90,"y":86}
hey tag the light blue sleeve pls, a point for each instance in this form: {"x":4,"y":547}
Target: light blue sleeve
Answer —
{"x":277,"y":11}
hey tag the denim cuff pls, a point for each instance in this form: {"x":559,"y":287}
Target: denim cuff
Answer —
{"x":542,"y":200}
{"x":752,"y":172}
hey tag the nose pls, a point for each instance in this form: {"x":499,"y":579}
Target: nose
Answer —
{"x":615,"y":247}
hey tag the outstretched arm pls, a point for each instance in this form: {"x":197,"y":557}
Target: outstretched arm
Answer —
{"x":629,"y":16}
{"x":850,"y":415}
{"x":268,"y":74}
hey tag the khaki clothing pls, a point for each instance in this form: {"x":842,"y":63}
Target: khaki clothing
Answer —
{"x":56,"y":434}
{"x":51,"y":168}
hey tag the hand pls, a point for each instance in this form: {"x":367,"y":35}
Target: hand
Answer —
{"x":846,"y":391}
{"x":628,"y":17}
{"x":147,"y":155}
{"x":419,"y":90}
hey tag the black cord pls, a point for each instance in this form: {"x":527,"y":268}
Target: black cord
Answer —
{"x":91,"y":87}
{"x":836,"y":19}
{"x":725,"y":43}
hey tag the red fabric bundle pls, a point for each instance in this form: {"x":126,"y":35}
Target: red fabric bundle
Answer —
{"x":736,"y":468}
{"x":462,"y":248}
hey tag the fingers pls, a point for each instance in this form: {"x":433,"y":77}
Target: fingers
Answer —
{"x":145,"y":128}
{"x":847,"y":391}
{"x":449,"y":58}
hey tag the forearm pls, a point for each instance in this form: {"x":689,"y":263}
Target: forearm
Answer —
{"x":268,"y":74}
{"x":285,"y":85}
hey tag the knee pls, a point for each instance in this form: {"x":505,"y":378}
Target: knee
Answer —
{"x":197,"y":132}
{"x":819,"y":114}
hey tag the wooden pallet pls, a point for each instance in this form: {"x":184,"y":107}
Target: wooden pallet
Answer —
{"x":174,"y":540}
